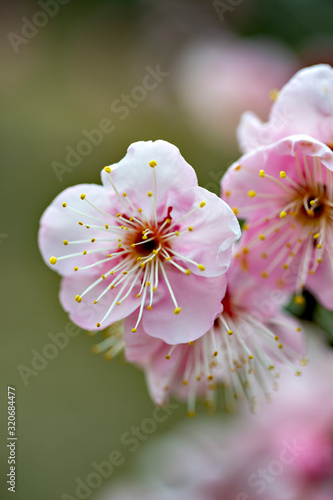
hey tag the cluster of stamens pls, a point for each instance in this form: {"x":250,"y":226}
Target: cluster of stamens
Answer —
{"x":141,"y":247}
{"x":298,"y":227}
{"x":238,"y":354}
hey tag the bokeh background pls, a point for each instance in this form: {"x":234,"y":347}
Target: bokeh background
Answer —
{"x":66,"y":77}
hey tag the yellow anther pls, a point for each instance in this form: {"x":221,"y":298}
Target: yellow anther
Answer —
{"x":285,"y":266}
{"x":276,"y":338}
{"x":134,"y":330}
{"x":250,"y":356}
{"x":238,"y":167}
{"x":177,"y":233}
{"x":283,"y":214}
{"x":92,"y":240}
{"x":299,"y":299}
{"x":177,"y":310}
{"x":119,"y":245}
{"x":111,"y":287}
{"x":319,"y":246}
{"x":298,"y":329}
{"x":273,"y":94}
{"x":149,"y":308}
{"x":245,"y":250}
{"x":154,"y":289}
{"x":140,"y":210}
{"x":148,"y":283}
{"x":133,"y":245}
{"x":264,"y":255}
{"x":251,"y":193}
{"x":202,"y":204}
{"x":124,"y":272}
{"x":82,"y":196}
{"x":95,"y":302}
{"x":168,"y":221}
{"x":235,"y":210}
{"x":124,"y":195}
{"x":245,"y":227}
{"x":201,"y":267}
{"x":87,"y":227}
{"x":142,"y":265}
{"x":53,"y":260}
{"x":230,"y":332}
{"x":98,"y":325}
{"x":190,"y":228}
{"x":264,"y":274}
{"x":310,"y":212}
{"x":138,"y":295}
{"x":152,"y":163}
{"x":155,"y":252}
{"x":85,"y":252}
{"x":168,"y":258}
{"x":315,"y":236}
{"x":280,"y":346}
{"x":80,"y":223}
{"x":112,"y":272}
{"x":64,"y":205}
{"x":262,"y":173}
{"x":319,"y":261}
{"x":312,"y":202}
{"x":144,"y":237}
{"x":76,"y":268}
{"x":78,"y":298}
{"x":188,"y":271}
{"x":227,"y":193}
{"x":283,"y":175}
{"x":262,"y":237}
{"x":167,"y":356}
{"x":311,"y":272}
{"x":185,"y":382}
{"x":191,"y":342}
{"x":107,"y":169}
{"x":150,"y":194}
{"x":215,"y":353}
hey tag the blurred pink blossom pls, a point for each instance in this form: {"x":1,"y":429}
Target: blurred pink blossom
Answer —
{"x":218,"y":80}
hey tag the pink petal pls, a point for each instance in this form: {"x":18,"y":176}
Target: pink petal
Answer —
{"x":304,"y":105}
{"x":215,"y":229}
{"x":58,"y":224}
{"x":134,"y":176}
{"x":200,"y":302}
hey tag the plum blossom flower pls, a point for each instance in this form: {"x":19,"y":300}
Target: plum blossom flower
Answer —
{"x":241,"y":351}
{"x":149,"y":240}
{"x":303,"y":106}
{"x":284,"y":452}
{"x":284,"y":191}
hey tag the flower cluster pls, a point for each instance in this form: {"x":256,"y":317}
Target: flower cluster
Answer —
{"x":156,"y":266}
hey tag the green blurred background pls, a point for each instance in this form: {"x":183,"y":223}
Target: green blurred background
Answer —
{"x":57,"y":83}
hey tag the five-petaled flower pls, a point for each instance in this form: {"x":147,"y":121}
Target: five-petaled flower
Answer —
{"x":149,"y":244}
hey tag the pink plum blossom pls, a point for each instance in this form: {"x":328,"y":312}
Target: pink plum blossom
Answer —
{"x":218,"y":78}
{"x":148,"y":244}
{"x":284,"y":191}
{"x":303,"y":106}
{"x":241,"y":351}
{"x":284,"y":452}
